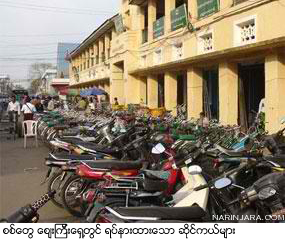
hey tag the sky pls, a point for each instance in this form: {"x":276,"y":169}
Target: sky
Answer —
{"x":31,"y":29}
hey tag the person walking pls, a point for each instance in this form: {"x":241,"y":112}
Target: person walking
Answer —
{"x":13,"y":110}
{"x":39,"y":106}
{"x":81,"y":104}
{"x":116,"y":101}
{"x":28,"y":109}
{"x":203,"y":120}
{"x":50,"y":106}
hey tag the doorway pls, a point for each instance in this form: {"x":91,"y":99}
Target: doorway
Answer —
{"x":251,"y":91}
{"x":211,"y":93}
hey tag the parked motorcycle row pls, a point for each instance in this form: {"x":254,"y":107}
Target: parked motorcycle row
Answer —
{"x":118,"y":167}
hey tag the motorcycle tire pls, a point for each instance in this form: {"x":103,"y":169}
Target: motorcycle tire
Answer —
{"x":52,"y":185}
{"x":70,"y":203}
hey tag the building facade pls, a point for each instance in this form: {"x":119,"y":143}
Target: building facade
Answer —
{"x":222,"y":57}
{"x":5,"y":84}
{"x":46,"y":87}
{"x":63,"y":49}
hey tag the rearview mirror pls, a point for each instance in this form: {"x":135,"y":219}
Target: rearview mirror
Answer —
{"x":158,"y":149}
{"x":194,"y":170}
{"x":222,"y":183}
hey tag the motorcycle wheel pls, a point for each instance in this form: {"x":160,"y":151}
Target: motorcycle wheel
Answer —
{"x":54,"y":184}
{"x":70,"y":195}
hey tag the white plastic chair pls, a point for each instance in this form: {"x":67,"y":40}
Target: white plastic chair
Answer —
{"x":30,"y":130}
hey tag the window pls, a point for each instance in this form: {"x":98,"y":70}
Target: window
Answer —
{"x":205,"y":42}
{"x":88,"y":64}
{"x":179,"y":3}
{"x":84,"y":65}
{"x":80,"y":67}
{"x":245,"y":31}
{"x":160,"y":9}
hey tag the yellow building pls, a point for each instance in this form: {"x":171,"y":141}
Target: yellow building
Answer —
{"x":218,"y":56}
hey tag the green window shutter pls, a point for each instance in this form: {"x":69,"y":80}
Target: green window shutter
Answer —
{"x":207,"y":7}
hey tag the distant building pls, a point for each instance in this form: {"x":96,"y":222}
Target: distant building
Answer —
{"x":62,"y":65}
{"x":5,"y":84}
{"x":47,"y":77}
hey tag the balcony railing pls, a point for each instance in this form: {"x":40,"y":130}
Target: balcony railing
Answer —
{"x":144,"y":35}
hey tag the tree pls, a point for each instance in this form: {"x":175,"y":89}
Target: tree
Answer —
{"x":37,"y":70}
{"x":35,"y":74}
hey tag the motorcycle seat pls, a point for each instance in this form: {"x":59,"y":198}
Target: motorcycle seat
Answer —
{"x":115,"y":165}
{"x":164,"y":213}
{"x":71,"y":157}
{"x":230,"y":152}
{"x":156,"y":175}
{"x":72,"y":139}
{"x":70,"y":133}
{"x":152,"y":185}
{"x":60,"y":127}
{"x":93,"y":147}
{"x":278,"y":160}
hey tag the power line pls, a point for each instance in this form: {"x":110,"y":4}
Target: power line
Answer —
{"x":45,"y":35}
{"x":57,"y":8}
{"x":53,"y":11}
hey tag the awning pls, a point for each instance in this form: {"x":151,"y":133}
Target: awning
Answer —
{"x":92,"y":92}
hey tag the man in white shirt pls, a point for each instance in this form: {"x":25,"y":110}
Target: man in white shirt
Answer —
{"x":28,"y":109}
{"x":13,"y":110}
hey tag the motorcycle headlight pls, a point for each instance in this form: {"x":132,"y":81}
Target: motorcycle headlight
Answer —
{"x":266,"y":193}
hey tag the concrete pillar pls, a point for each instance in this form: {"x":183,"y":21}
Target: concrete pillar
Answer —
{"x":228,"y":93}
{"x":274,"y":90}
{"x":194,"y":92}
{"x":143,"y":90}
{"x":107,"y":45}
{"x":170,"y":90}
{"x":169,"y":6}
{"x":192,"y":9}
{"x":152,"y":92}
{"x":117,"y":84}
{"x":96,"y":50}
{"x":132,"y":90}
{"x":101,"y":50}
{"x":151,"y":18}
{"x":107,"y":87}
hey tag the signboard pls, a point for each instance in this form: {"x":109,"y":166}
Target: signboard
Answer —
{"x":179,"y":17}
{"x":158,"y":28}
{"x":119,"y":24}
{"x":207,"y":7}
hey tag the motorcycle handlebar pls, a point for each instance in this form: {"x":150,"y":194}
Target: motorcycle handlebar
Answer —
{"x":29,"y":212}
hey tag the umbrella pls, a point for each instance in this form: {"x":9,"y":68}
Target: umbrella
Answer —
{"x":92,"y":92}
{"x":96,"y":91}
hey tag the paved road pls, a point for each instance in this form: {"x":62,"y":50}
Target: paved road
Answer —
{"x":19,"y":187}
